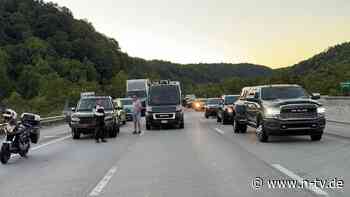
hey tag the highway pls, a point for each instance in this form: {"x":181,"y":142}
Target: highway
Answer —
{"x":204,"y":159}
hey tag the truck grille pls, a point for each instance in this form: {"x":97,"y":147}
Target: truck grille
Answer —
{"x":86,"y":120}
{"x":299,"y":112}
{"x":164,"y":116}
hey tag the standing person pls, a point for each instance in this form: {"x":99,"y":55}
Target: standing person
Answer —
{"x":136,"y":114}
{"x":100,"y":124}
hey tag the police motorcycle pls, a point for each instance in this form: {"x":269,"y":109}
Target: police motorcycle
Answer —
{"x":19,"y":135}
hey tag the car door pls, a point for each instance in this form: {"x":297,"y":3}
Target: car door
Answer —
{"x":253,"y":106}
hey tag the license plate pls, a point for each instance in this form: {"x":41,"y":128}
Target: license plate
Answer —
{"x":164,"y":121}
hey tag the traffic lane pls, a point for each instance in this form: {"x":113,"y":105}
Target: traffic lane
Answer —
{"x":190,"y":162}
{"x":66,"y":168}
{"x":338,"y":129}
{"x":326,"y":159}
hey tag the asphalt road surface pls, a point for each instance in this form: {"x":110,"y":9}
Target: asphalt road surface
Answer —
{"x":204,"y":159}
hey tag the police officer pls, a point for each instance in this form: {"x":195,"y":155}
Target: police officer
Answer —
{"x":100,"y":124}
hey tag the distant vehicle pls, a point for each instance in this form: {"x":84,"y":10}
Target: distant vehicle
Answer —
{"x":140,"y":88}
{"x":189,"y":98}
{"x":83,"y":119}
{"x":126,"y":105}
{"x":119,"y":110}
{"x":279,"y":110}
{"x":164,"y":106}
{"x":212,"y":106}
{"x":199,"y":104}
{"x":226,"y":111}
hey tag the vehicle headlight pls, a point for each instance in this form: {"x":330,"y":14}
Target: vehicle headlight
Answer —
{"x":75,"y":119}
{"x":149,"y":109}
{"x":321,"y":111}
{"x":272,"y":112}
{"x":197,"y":105}
{"x":178,"y":108}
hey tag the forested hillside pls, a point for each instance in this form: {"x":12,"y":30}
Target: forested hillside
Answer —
{"x":47,"y":57}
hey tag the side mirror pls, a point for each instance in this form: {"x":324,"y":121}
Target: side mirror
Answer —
{"x":73,"y":109}
{"x":315,"y":96}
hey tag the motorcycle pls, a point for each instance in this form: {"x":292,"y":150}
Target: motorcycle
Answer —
{"x":18,"y":139}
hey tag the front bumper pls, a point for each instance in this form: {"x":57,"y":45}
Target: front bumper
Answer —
{"x":151,"y":119}
{"x":211,"y":111}
{"x":294,"y":127}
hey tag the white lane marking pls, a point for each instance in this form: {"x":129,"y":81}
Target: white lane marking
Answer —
{"x":300,"y":180}
{"x":50,"y":136}
{"x":103,"y":183}
{"x":221,"y":132}
{"x":51,"y":142}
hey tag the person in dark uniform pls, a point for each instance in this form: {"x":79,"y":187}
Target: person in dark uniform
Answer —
{"x":100,"y":124}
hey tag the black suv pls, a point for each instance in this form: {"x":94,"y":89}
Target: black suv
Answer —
{"x":279,"y":110}
{"x":82,"y":119}
{"x":164,"y":105}
{"x":226,"y":110}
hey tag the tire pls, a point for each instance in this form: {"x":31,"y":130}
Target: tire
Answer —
{"x":236,"y":127}
{"x":5,"y":155}
{"x":148,"y":126}
{"x":114,"y":131}
{"x":316,"y":137}
{"x":261,"y":132}
{"x":75,"y":134}
{"x":124,"y":122}
{"x":206,"y":116}
{"x":25,"y":152}
{"x":182,"y":125}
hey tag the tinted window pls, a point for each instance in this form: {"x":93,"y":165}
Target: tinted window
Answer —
{"x":214,"y":101}
{"x":88,"y":104}
{"x":140,"y":94}
{"x":164,"y":95}
{"x":126,"y":102}
{"x":230,"y":99}
{"x":271,"y":93}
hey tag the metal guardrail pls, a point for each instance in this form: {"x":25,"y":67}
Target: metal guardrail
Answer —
{"x":47,"y":120}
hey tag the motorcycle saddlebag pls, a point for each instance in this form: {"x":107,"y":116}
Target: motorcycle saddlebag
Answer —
{"x":34,"y":120}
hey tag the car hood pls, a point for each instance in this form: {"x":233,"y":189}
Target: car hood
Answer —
{"x":89,"y":114}
{"x":280,"y":102}
{"x":213,"y":106}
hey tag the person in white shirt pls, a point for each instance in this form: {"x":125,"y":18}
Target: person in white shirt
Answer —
{"x":137,"y":114}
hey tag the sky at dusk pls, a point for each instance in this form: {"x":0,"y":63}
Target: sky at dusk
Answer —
{"x":274,"y":33}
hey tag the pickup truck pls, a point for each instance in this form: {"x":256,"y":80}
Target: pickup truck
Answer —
{"x":279,"y":110}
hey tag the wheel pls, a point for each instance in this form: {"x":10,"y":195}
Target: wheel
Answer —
{"x":236,"y":127}
{"x":75,"y":134}
{"x":114,"y":131}
{"x":261,"y":133}
{"x":206,"y":116}
{"x":124,"y":122}
{"x":316,"y":137}
{"x":182,"y":125}
{"x":4,"y":154}
{"x":24,"y":152}
{"x":148,"y":126}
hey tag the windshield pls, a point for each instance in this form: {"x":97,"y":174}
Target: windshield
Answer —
{"x":164,"y":95}
{"x":126,"y":102}
{"x":88,"y":104}
{"x":271,"y":93}
{"x":136,"y":85}
{"x":213,"y":101}
{"x":139,"y":94}
{"x":229,"y":100}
